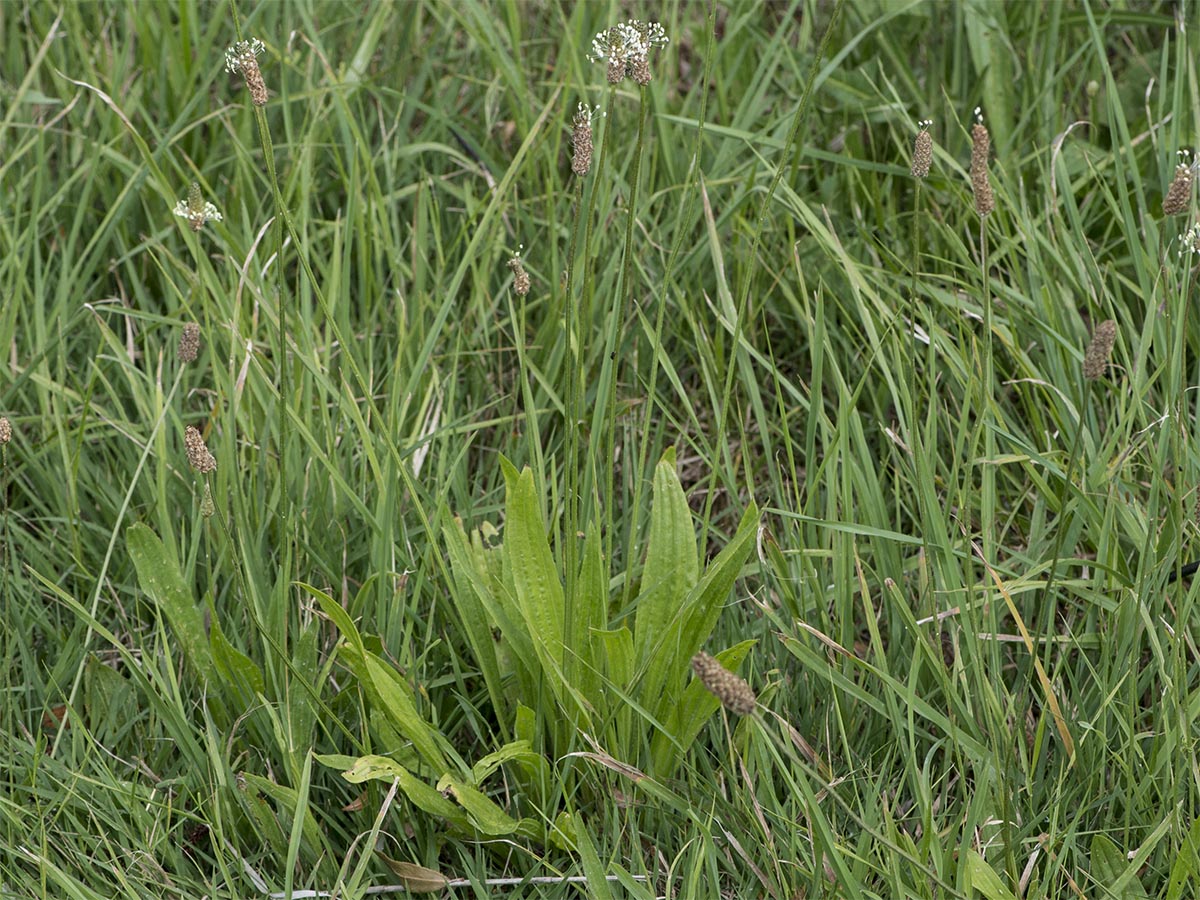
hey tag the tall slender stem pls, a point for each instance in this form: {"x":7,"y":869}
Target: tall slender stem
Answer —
{"x":622,"y":304}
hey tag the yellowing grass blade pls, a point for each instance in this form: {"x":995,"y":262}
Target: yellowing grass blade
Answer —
{"x":1047,"y":689}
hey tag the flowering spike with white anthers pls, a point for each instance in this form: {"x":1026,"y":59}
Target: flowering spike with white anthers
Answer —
{"x":242,"y":58}
{"x":195,"y":210}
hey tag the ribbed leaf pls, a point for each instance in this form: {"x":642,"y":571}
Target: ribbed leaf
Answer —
{"x":416,"y":879}
{"x":471,"y":599}
{"x":591,"y":615}
{"x":287,"y":801}
{"x":516,"y":751}
{"x":616,"y":646}
{"x":671,"y":560}
{"x":535,"y":579}
{"x":618,"y":653}
{"x":301,"y":706}
{"x":240,"y":673}
{"x":597,"y":883}
{"x":1187,"y":863}
{"x":1115,"y":873}
{"x":383,"y":684}
{"x":159,"y":576}
{"x":424,"y":797}
{"x":984,"y":879}
{"x":667,"y":668}
{"x":485,"y":815}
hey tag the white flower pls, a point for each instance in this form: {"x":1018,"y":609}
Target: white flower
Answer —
{"x":1190,"y":241}
{"x":586,"y":115}
{"x":241,"y":54}
{"x":652,"y":34}
{"x":195,"y":210}
{"x":620,"y":42}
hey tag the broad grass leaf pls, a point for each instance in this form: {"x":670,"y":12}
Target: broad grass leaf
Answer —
{"x":159,"y":576}
{"x":562,"y":832}
{"x":984,"y":879}
{"x":1187,"y":863}
{"x":590,"y":615}
{"x":472,"y":601}
{"x":302,"y":711}
{"x":286,"y":801}
{"x":671,"y":560}
{"x":106,"y":699}
{"x":242,"y":676}
{"x":707,"y":599}
{"x":525,"y":724}
{"x":617,"y":648}
{"x":539,"y":593}
{"x":485,"y":815}
{"x":265,"y":820}
{"x":1113,"y":873}
{"x":475,"y":812}
{"x":668,"y":666}
{"x":517,"y":751}
{"x":597,"y":884}
{"x":396,"y":698}
{"x":1107,"y":861}
{"x":385,"y":687}
{"x":420,"y":794}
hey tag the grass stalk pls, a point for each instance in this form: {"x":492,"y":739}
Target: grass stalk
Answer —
{"x":760,"y":225}
{"x":622,"y":306}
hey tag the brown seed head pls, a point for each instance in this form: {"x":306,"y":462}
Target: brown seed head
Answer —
{"x":731,"y":689}
{"x":197,"y":451}
{"x":5,"y":430}
{"x":922,"y":150}
{"x":1095,"y":360}
{"x":639,"y":68}
{"x":1180,"y":192}
{"x":189,"y":342}
{"x":581,"y":141}
{"x":520,"y":276}
{"x":626,"y":46}
{"x":981,"y":185}
{"x":243,"y":57}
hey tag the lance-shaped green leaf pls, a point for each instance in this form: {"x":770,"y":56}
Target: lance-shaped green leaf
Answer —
{"x":383,"y":684}
{"x":671,"y":561}
{"x":380,"y":768}
{"x":687,"y":632}
{"x":472,"y":599}
{"x":160,"y":578}
{"x":535,"y":579}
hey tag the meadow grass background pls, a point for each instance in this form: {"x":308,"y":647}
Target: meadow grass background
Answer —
{"x":975,"y":674}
